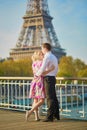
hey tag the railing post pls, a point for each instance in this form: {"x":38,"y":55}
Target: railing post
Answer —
{"x":1,"y":92}
{"x":66,"y":94}
{"x":23,"y":95}
{"x":40,"y":111}
{"x":60,"y":97}
{"x":83,"y":99}
{"x":12,"y":96}
{"x":8,"y":92}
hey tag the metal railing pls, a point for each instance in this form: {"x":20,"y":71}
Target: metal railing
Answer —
{"x":71,"y":94}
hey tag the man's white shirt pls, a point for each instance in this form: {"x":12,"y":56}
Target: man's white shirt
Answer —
{"x":49,"y":60}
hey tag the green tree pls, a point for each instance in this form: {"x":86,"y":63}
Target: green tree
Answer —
{"x":82,"y":73}
{"x":1,"y":70}
{"x":66,"y":68}
{"x":79,"y":65}
{"x":16,"y":68}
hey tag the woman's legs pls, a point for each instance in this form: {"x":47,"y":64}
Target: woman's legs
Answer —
{"x":38,"y":104}
{"x":35,"y":111}
{"x":35,"y":107}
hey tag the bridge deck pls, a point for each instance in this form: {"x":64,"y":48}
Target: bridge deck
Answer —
{"x":11,"y":120}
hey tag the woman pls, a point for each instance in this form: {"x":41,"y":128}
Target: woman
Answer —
{"x":37,"y":91}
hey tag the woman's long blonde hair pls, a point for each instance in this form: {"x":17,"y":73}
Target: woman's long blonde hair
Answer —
{"x":36,"y":55}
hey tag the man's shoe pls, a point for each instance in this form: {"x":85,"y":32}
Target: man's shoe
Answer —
{"x":48,"y":120}
{"x":55,"y":117}
{"x":37,"y":119}
{"x":58,"y":118}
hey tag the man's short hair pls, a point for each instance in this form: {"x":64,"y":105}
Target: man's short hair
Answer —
{"x":47,"y":46}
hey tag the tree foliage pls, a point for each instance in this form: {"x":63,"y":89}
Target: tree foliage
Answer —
{"x":16,"y":68}
{"x":68,"y":67}
{"x":79,"y":65}
{"x":82,"y":73}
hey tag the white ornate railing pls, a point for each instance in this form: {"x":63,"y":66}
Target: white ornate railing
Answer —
{"x":71,"y":93}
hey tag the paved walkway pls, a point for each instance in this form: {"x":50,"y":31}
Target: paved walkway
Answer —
{"x":11,"y":120}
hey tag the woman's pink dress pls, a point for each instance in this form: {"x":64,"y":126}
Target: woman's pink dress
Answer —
{"x":37,"y":87}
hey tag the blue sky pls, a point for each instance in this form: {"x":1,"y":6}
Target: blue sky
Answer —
{"x":70,"y":23}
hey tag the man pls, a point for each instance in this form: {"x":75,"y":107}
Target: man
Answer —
{"x":49,"y":82}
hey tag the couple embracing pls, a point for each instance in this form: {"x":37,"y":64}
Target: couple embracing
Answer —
{"x":45,"y":68}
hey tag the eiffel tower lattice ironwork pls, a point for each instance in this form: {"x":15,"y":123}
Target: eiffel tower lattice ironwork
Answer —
{"x":37,"y":29}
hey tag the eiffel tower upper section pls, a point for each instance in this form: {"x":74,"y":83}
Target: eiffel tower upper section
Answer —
{"x":38,"y":28}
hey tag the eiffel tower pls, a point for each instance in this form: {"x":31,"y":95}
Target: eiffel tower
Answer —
{"x":37,"y":29}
